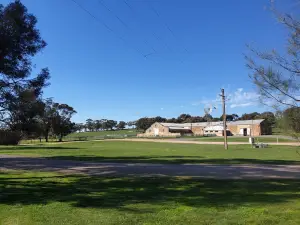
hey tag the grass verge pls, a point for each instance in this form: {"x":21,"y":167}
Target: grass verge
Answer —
{"x":149,"y":152}
{"x":48,"y":198}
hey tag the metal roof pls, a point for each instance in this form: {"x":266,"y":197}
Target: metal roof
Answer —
{"x":246,"y":122}
{"x":218,"y":123}
{"x":217,"y":128}
{"x":180,"y":128}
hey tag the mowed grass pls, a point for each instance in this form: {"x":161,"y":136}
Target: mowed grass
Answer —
{"x":246,"y":139}
{"x":88,"y":136}
{"x":30,"y":198}
{"x":150,"y":152}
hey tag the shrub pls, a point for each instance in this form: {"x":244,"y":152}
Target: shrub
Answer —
{"x":9,"y":137}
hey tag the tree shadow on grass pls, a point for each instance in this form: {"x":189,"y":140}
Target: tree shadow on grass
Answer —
{"x":37,"y":147}
{"x":176,"y":160}
{"x":121,"y":193}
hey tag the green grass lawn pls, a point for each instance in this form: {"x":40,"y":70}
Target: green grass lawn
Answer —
{"x":147,"y":152}
{"x":245,"y":139}
{"x":88,"y":136}
{"x":34,"y":198}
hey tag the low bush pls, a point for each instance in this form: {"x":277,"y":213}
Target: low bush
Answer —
{"x":9,"y":137}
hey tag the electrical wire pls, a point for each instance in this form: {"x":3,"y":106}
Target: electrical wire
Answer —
{"x":127,"y":27}
{"x":153,"y":33}
{"x":108,"y":28}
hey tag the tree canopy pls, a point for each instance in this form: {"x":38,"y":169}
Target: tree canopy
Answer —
{"x":276,"y":74}
{"x":20,"y":91}
{"x":22,"y":107}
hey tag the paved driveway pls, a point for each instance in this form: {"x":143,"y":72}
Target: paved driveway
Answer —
{"x":140,"y":169}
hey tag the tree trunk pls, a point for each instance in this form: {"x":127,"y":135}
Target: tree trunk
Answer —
{"x":60,"y":139}
{"x":47,"y":135}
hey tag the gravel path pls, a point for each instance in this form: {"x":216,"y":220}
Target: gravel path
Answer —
{"x":212,"y":171}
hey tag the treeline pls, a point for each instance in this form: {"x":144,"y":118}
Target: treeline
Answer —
{"x":289,"y":121}
{"x":145,"y":122}
{"x":102,"y":124}
{"x":24,"y":113}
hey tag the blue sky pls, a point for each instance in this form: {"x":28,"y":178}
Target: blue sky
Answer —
{"x":149,"y":58}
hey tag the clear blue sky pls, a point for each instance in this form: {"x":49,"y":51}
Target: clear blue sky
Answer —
{"x":193,"y":49}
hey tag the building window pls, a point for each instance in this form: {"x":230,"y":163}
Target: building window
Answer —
{"x":149,"y":131}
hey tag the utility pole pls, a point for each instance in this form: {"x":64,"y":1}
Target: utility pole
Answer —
{"x":224,"y":118}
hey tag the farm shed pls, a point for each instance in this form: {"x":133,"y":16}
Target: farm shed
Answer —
{"x":234,"y":128}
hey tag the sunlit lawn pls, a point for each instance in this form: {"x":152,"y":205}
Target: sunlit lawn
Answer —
{"x":48,"y":198}
{"x":31,"y":198}
{"x":122,"y":151}
{"x":246,"y":139}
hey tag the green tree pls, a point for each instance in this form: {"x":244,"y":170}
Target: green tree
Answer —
{"x":97,"y":125}
{"x":291,"y":119}
{"x":269,"y":118}
{"x":20,"y":91}
{"x":121,"y":125}
{"x":24,"y":115}
{"x":61,"y":122}
{"x":275,"y":74}
{"x":249,"y":116}
{"x":144,"y":123}
{"x":90,"y":124}
{"x":208,"y":118}
{"x":46,"y":119}
{"x":111,"y":124}
{"x":183,"y":117}
{"x":230,"y":117}
{"x":78,"y":127}
{"x":131,"y":123}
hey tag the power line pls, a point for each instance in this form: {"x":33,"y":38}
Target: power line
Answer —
{"x":126,"y":26}
{"x":153,"y":33}
{"x":166,"y":25}
{"x":108,"y":28}
{"x":118,"y":18}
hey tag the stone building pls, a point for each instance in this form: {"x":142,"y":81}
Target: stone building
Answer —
{"x":234,"y":128}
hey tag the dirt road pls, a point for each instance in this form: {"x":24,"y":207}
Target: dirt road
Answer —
{"x":209,"y":171}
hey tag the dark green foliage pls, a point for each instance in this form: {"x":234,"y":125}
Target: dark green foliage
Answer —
{"x":20,"y":92}
{"x":183,"y":117}
{"x":61,"y":121}
{"x":195,"y":119}
{"x":230,"y":117}
{"x":111,"y":124}
{"x":121,"y":125}
{"x":8,"y":137}
{"x":90,"y":124}
{"x":275,"y":74}
{"x":291,"y":118}
{"x":208,"y":117}
{"x":144,"y":123}
{"x":249,"y":116}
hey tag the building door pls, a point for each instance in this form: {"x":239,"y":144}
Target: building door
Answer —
{"x":248,"y":131}
{"x":156,"y":131}
{"x":245,"y":132}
